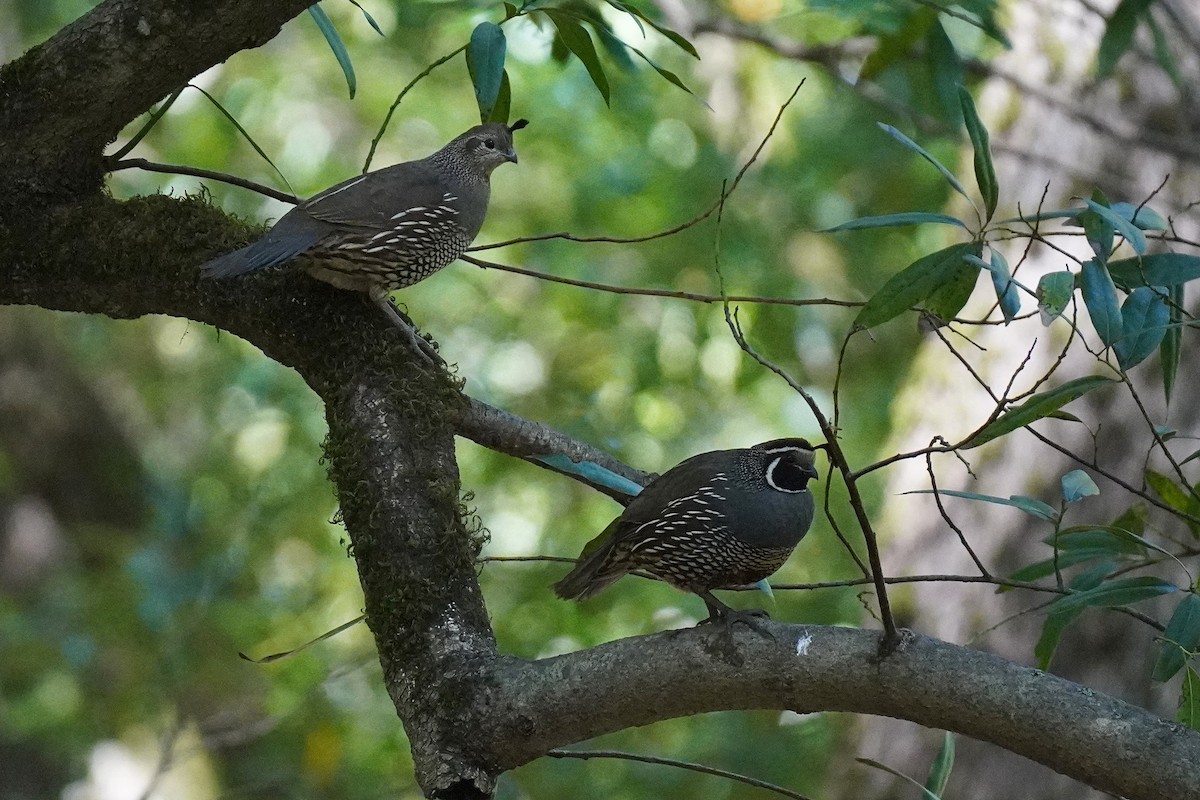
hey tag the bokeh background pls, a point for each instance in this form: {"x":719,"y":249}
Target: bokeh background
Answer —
{"x":162,"y":502}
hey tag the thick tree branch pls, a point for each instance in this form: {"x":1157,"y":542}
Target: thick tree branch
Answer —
{"x":1095,"y":738}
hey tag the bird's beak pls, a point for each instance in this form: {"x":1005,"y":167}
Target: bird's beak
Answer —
{"x":511,"y":155}
{"x":811,"y":472}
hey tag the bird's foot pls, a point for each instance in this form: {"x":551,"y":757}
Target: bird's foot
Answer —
{"x":752,"y":618}
{"x":418,"y":343}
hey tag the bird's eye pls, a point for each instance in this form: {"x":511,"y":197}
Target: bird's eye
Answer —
{"x":490,"y":144}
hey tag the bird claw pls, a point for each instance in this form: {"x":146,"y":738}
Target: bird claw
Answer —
{"x":419,"y":343}
{"x":750,"y":617}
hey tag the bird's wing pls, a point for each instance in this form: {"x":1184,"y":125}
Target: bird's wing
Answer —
{"x":373,"y":200}
{"x":679,"y":481}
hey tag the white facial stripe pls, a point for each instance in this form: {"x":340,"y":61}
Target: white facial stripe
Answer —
{"x":771,"y":477}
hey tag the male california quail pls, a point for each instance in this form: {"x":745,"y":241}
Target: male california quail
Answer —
{"x":390,"y":228}
{"x":718,"y":520}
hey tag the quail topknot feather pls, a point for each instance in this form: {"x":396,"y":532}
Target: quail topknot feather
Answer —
{"x":718,"y":520}
{"x":389,"y":228}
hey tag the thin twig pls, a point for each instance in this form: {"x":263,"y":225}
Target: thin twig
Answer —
{"x":197,"y":172}
{"x":395,"y":104}
{"x":584,"y":755}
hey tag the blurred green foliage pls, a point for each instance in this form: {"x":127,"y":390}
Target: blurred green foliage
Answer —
{"x":228,"y":540}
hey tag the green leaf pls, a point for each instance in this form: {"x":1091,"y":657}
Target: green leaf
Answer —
{"x":1077,"y":485}
{"x":945,"y":69}
{"x":925,"y":154}
{"x":1170,"y":349}
{"x":1040,"y":405}
{"x":1100,"y":297}
{"x":1113,"y":594}
{"x":244,"y":134}
{"x":503,"y":107}
{"x":1099,"y":232}
{"x":914,"y":284}
{"x":1054,"y":291}
{"x":894,"y":46}
{"x":896,"y":220}
{"x":925,"y":793}
{"x":1029,"y":505}
{"x":1110,"y":540}
{"x":1055,"y":624}
{"x":1006,"y":288}
{"x":670,"y":77}
{"x":1146,"y":219}
{"x":1181,"y":638}
{"x":1066,"y":560}
{"x":370,"y":20}
{"x":617,"y":50}
{"x":1118,"y":35}
{"x":325,"y":25}
{"x":948,"y":299}
{"x":1170,"y":492}
{"x":1189,"y":701}
{"x":985,"y":173}
{"x":1162,"y":54}
{"x":1132,"y":520}
{"x":485,"y":63}
{"x":1042,"y":216}
{"x":677,"y":39}
{"x":1160,"y":269}
{"x":939,"y":773}
{"x":1130,"y":232}
{"x":577,"y":40}
{"x":1144,"y":320}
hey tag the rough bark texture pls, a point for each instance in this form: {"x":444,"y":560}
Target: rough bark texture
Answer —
{"x":469,"y":713}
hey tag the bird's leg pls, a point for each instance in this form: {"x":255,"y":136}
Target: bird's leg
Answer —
{"x":718,"y":612}
{"x":381,"y":298}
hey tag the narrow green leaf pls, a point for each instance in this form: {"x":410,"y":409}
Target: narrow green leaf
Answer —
{"x":670,"y":77}
{"x":1054,"y":291}
{"x":925,"y":793}
{"x":1029,"y":505}
{"x":1108,"y":539}
{"x":914,"y":284}
{"x":503,"y":108}
{"x":1130,"y":232}
{"x":1160,"y":269}
{"x":939,"y":772}
{"x":1145,"y":218}
{"x":1037,"y":407}
{"x":1115,"y":593}
{"x":1144,"y":320}
{"x":1118,"y":35}
{"x":925,"y":154}
{"x":485,"y":63}
{"x":1100,"y":297}
{"x":1181,"y":638}
{"x":1077,"y":485}
{"x":1066,"y":560}
{"x":945,"y":71}
{"x":985,"y":173}
{"x":370,"y":20}
{"x":893,"y":46}
{"x":948,"y":299}
{"x":1170,"y":492}
{"x":1056,"y":624}
{"x":155,"y":116}
{"x":617,"y":50}
{"x":1007,"y":294}
{"x":1042,"y":216}
{"x":1189,"y":701}
{"x":1170,"y":349}
{"x":676,"y":38}
{"x":1099,"y":232}
{"x":262,"y":154}
{"x":579,"y":42}
{"x":896,"y":220}
{"x":325,"y":25}
{"x":1162,"y":53}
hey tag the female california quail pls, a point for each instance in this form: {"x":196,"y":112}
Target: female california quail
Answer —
{"x":390,"y":228}
{"x":717,"y":520}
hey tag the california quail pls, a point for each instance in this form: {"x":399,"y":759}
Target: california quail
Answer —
{"x":718,"y":520}
{"x":390,"y":228}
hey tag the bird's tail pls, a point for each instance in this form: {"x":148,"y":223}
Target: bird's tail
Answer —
{"x":596,"y":570}
{"x":274,"y":248}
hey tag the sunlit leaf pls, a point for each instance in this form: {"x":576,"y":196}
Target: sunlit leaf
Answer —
{"x":1054,"y":291}
{"x":1181,"y":638}
{"x":915,"y":283}
{"x":1037,"y":407}
{"x":1100,"y":297}
{"x":1077,"y":485}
